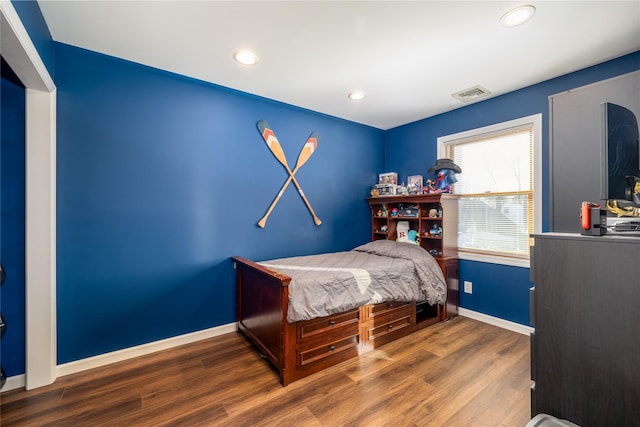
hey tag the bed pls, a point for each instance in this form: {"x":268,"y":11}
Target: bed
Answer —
{"x":307,"y":313}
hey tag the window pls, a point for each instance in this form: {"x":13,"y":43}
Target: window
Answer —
{"x":499,"y":188}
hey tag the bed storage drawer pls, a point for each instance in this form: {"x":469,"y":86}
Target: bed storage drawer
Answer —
{"x":326,"y":341}
{"x":383,"y":332}
{"x":326,"y":329}
{"x":393,"y":324}
{"x":328,"y":353}
{"x":391,"y":308}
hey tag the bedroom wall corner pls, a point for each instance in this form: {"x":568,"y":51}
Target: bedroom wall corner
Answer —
{"x":162,"y":178}
{"x":503,"y":290}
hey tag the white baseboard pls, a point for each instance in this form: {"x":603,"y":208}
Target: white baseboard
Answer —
{"x":14,"y":382}
{"x":141,"y":350}
{"x":19,"y":381}
{"x":496,"y":321}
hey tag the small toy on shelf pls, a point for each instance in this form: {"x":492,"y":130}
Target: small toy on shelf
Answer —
{"x":404,"y":234}
{"x":413,"y":189}
{"x":408,"y":211}
{"x":384,"y":228}
{"x":414,"y":184}
{"x":394,"y":212}
{"x":435,"y":252}
{"x":386,"y":189}
{"x":430,"y":188}
{"x":436,"y":231}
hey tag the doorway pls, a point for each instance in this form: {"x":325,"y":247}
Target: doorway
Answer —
{"x":40,"y":206}
{"x":12,"y":227}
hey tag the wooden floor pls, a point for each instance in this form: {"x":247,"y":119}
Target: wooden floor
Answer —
{"x":456,"y":373}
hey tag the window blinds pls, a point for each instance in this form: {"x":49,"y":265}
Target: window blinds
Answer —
{"x":496,"y":192}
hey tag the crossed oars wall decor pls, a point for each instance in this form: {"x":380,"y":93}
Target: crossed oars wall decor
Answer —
{"x":276,"y":149}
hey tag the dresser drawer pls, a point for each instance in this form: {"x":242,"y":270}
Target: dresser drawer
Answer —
{"x":329,"y":328}
{"x":391,"y":308}
{"x":341,"y":349}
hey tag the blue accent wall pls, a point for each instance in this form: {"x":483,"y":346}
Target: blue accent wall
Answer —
{"x":162,"y":178}
{"x":499,"y":291}
{"x":12,"y":224}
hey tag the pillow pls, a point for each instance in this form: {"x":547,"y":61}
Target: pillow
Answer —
{"x":402,"y":231}
{"x":393,"y":249}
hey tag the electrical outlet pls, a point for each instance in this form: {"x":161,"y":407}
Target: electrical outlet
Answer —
{"x":468,"y":287}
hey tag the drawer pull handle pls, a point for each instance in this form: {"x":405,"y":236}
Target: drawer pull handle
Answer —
{"x":332,"y":323}
{"x":390,"y":305}
{"x":390,"y":327}
{"x":332,"y":347}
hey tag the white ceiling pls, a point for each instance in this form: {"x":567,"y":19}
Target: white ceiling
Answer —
{"x":409,"y":57}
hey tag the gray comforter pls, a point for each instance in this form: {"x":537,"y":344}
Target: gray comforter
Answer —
{"x":375,"y":272}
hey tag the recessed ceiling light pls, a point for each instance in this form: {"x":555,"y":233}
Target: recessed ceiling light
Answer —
{"x":517,"y":16}
{"x":245,"y":57}
{"x":357,"y":95}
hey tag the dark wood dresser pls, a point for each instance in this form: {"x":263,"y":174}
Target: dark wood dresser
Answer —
{"x":585,"y":308}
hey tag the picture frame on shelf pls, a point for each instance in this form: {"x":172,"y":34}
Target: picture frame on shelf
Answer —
{"x":386,"y":189}
{"x":388,"y":178}
{"x":415,"y":181}
{"x":414,"y":184}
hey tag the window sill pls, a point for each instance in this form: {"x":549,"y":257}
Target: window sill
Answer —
{"x":495,"y":259}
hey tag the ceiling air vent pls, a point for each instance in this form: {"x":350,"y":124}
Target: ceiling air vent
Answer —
{"x":471,"y":94}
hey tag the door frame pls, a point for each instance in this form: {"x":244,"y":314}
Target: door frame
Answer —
{"x":40,"y":200}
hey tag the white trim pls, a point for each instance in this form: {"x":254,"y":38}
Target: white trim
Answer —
{"x":40,"y":199}
{"x":17,"y":48}
{"x":495,"y":259}
{"x":141,"y":350}
{"x":14,"y":382}
{"x":40,"y":204}
{"x":496,"y":321}
{"x":537,"y":172}
{"x":18,"y":381}
{"x":536,"y":121}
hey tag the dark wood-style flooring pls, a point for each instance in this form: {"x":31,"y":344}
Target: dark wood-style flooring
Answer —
{"x":456,"y":373}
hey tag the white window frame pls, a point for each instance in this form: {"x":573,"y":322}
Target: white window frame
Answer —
{"x":535,"y":121}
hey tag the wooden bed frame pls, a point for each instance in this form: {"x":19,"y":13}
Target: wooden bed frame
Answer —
{"x":302,"y":348}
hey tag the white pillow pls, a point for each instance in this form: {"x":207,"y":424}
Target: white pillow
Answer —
{"x":402,"y":230}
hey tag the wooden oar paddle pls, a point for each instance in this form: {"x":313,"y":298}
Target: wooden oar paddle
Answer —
{"x":274,"y":146}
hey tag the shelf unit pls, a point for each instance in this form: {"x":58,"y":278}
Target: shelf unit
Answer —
{"x":419,"y":210}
